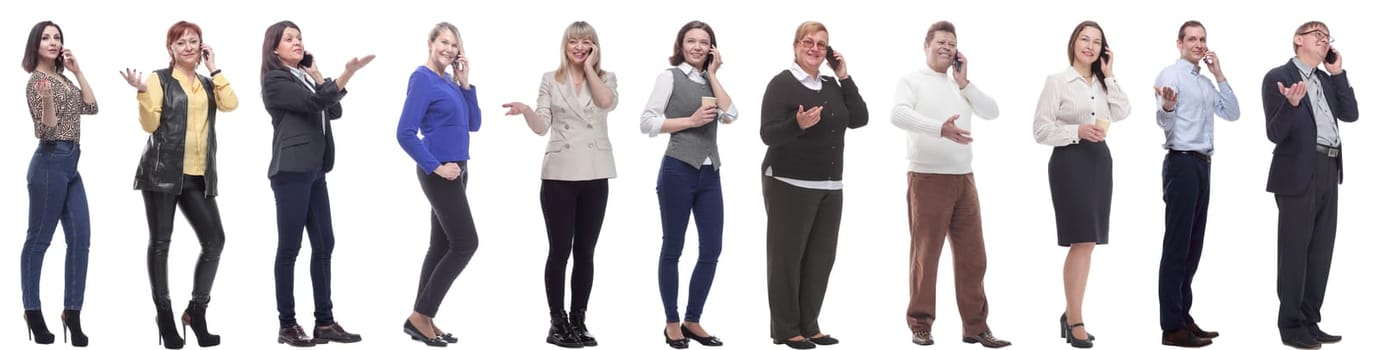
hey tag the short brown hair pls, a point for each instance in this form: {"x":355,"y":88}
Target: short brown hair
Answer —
{"x":1305,"y":26}
{"x":1182,"y":30}
{"x":940,"y":26}
{"x":807,"y":28}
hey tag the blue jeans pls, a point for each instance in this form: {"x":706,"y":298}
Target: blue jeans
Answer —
{"x":682,"y":190}
{"x":56,"y":194}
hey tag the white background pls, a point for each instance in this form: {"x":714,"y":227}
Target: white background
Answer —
{"x":499,"y":301}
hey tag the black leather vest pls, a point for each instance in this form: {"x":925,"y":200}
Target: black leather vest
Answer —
{"x":160,"y":168}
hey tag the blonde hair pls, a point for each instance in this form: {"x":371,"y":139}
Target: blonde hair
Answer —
{"x":578,"y":30}
{"x":805,"y":29}
{"x":436,"y":31}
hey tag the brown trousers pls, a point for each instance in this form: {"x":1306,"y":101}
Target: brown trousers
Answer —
{"x":946,"y":206}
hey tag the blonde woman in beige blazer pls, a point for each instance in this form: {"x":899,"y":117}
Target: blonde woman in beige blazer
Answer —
{"x":573,"y":105}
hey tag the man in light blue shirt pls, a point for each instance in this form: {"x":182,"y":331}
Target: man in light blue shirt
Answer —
{"x":1187,"y":101}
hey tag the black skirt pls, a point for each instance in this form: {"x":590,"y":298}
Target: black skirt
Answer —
{"x":1080,"y":184}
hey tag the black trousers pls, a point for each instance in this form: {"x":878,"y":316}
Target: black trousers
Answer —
{"x":574,"y":216}
{"x":303,"y":202}
{"x":204,"y":216}
{"x":1187,"y":191}
{"x":453,"y":238}
{"x":801,"y":243}
{"x":1306,"y":237}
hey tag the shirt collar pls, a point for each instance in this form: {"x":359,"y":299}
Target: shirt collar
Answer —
{"x":1306,"y":69}
{"x":1187,"y":67}
{"x":801,"y":75}
{"x":1070,"y":75}
{"x":688,"y":69}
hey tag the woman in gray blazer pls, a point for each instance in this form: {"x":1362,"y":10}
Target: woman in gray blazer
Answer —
{"x":573,"y":102}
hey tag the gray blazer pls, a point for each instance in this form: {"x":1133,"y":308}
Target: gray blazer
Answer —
{"x":579,"y":148}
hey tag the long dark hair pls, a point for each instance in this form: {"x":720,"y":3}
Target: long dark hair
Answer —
{"x":1096,"y":65}
{"x":31,"y":49}
{"x":271,"y":38}
{"x":679,"y":56}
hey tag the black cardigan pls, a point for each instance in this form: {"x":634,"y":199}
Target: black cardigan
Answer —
{"x":816,"y":153}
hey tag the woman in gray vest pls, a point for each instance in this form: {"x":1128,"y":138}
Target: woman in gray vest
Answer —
{"x":177,"y":107}
{"x":686,"y":103}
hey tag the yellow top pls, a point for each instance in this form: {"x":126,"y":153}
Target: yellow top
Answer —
{"x":198,"y":130}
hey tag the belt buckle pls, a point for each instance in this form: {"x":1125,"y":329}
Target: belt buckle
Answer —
{"x":1332,"y":152}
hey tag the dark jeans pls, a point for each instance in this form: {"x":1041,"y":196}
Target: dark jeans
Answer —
{"x":204,"y":216}
{"x":574,"y":215}
{"x":453,"y":238}
{"x":683,"y":190}
{"x":303,"y":202}
{"x":56,"y":195}
{"x":1306,"y":238}
{"x":801,"y":244}
{"x":1187,"y":190}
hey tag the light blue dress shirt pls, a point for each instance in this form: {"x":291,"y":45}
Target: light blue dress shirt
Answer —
{"x":1190,"y":127}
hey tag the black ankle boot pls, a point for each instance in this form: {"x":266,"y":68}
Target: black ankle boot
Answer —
{"x":38,"y":329}
{"x":71,"y":320}
{"x":167,"y":330}
{"x":560,"y":334}
{"x":195,"y":316}
{"x":580,"y":330}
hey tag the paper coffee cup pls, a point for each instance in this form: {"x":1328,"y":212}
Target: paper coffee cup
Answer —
{"x":1103,"y":124}
{"x":708,"y":101}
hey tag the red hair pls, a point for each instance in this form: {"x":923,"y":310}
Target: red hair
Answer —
{"x":176,"y":32}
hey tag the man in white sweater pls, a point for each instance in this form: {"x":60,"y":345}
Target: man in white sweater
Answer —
{"x":936,"y":109}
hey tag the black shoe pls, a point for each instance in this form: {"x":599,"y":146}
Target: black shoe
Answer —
{"x":1322,"y":337}
{"x":294,"y":336}
{"x":707,"y":340}
{"x":411,"y":330}
{"x":333,"y":333}
{"x":195,"y":316}
{"x":1063,"y":322}
{"x":580,"y":330}
{"x":1184,"y":337}
{"x":1303,"y":342}
{"x":38,"y":329}
{"x":796,"y":344}
{"x":987,"y":340}
{"x":922,"y":337}
{"x":1067,"y":333}
{"x":560,"y":334}
{"x":167,"y":330}
{"x":1197,"y":331}
{"x":71,"y":320}
{"x":824,"y":340}
{"x":447,"y":337}
{"x":681,"y":343}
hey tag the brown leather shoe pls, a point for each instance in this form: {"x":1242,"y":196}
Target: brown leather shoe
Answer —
{"x":987,"y":340}
{"x":1197,"y":331}
{"x":922,"y":337}
{"x":294,"y":336}
{"x":1184,"y":338}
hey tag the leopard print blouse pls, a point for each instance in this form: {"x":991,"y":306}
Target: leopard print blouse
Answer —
{"x":70,"y":107}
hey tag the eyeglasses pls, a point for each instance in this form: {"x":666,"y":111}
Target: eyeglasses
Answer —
{"x":808,"y":43}
{"x":1321,"y":35}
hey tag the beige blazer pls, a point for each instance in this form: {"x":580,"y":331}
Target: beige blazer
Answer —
{"x":579,"y":148}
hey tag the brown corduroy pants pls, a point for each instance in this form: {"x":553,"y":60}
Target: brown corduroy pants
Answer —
{"x":946,"y":206}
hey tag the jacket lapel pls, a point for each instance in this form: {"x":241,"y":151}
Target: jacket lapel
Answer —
{"x":574,"y":102}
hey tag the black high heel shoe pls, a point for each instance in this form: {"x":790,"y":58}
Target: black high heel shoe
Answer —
{"x":411,"y":330}
{"x":1066,"y":331}
{"x":71,"y":320}
{"x":38,"y":330}
{"x":1063,"y":321}
{"x":195,"y":316}
{"x":167,"y":330}
{"x":681,"y":343}
{"x":707,"y":340}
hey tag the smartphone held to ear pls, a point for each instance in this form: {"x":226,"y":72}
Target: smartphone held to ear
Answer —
{"x":828,"y":56}
{"x":957,"y":62}
{"x":1330,"y":56}
{"x":307,"y":61}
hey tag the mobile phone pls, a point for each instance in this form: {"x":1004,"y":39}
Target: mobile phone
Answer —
{"x":957,"y":61}
{"x":204,"y":53}
{"x":828,"y":56}
{"x":1330,"y":56}
{"x":307,"y":61}
{"x":708,"y":60}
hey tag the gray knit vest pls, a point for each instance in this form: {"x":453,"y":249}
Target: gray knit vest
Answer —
{"x":693,"y":144}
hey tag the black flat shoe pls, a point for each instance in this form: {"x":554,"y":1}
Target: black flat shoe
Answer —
{"x":411,"y":330}
{"x":334,"y":333}
{"x":796,"y":344}
{"x":824,"y":340}
{"x":704,"y":340}
{"x":681,"y":343}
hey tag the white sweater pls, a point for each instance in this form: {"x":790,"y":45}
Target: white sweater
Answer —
{"x":924,"y":100}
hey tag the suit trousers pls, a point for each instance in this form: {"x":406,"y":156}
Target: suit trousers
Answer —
{"x":1306,"y":237}
{"x":801,"y":243}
